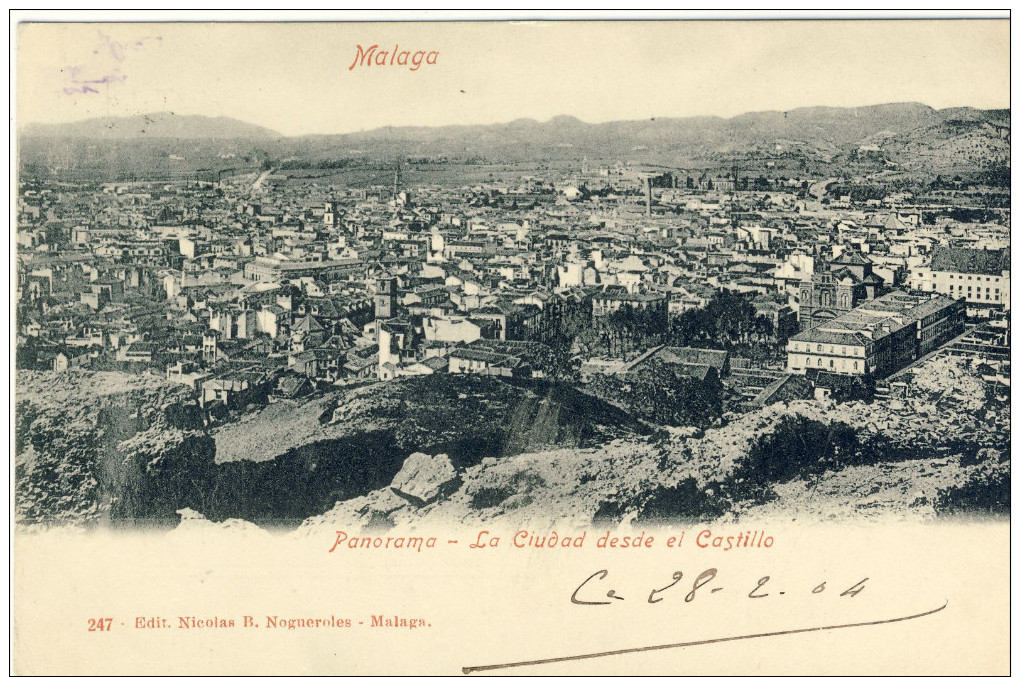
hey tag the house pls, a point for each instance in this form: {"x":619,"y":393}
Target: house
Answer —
{"x":518,"y":359}
{"x":65,"y":358}
{"x":357,"y":367}
{"x":272,"y":320}
{"x":187,"y":373}
{"x":140,"y":351}
{"x":324,"y":363}
{"x":225,"y":390}
{"x":478,"y":361}
{"x":452,"y":328}
{"x":292,"y":387}
{"x":307,"y":332}
{"x":607,"y":302}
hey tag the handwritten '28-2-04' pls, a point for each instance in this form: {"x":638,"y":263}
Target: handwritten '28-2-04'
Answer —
{"x":593,"y":592}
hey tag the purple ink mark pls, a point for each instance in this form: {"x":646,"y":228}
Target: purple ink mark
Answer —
{"x":100,"y":74}
{"x":105,"y":80}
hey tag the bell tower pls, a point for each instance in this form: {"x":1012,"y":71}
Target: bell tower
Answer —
{"x":385,"y":298}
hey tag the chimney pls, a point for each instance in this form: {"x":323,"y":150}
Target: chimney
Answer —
{"x":648,"y":196}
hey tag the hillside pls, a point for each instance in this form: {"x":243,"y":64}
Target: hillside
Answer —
{"x":943,"y":452}
{"x":447,"y":448}
{"x":130,"y":449}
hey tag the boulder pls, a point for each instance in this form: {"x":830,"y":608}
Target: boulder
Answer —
{"x":424,"y":479}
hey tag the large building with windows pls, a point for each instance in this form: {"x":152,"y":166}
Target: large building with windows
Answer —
{"x":268,"y":269}
{"x":978,"y":276}
{"x":878,"y":337}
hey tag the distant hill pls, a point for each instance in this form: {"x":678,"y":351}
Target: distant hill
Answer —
{"x":153,"y":126}
{"x":900,"y":137}
{"x":908,"y":136}
{"x":827,"y":130}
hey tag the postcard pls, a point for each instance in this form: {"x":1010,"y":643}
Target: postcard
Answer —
{"x":517,"y":346}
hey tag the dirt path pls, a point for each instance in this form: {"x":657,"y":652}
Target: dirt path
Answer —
{"x":817,"y":189}
{"x":255,"y":187}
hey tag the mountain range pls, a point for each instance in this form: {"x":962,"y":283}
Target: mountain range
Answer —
{"x":906,"y":135}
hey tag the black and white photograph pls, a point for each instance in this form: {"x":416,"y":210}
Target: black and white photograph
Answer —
{"x":379,"y":278}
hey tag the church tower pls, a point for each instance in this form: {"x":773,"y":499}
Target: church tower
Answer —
{"x":385,"y":298}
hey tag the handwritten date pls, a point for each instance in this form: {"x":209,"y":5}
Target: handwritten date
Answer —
{"x":590,"y":593}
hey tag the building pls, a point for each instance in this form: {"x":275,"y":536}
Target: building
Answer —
{"x":498,"y":358}
{"x":879,"y":337}
{"x":509,"y":321}
{"x":264,"y":269}
{"x":978,"y":276}
{"x":608,"y":302}
{"x":225,"y":390}
{"x":386,"y":298}
{"x":66,"y":357}
{"x":842,"y":284}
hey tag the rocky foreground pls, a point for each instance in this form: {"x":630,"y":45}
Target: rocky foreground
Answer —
{"x":108,"y":448}
{"x":943,"y":449}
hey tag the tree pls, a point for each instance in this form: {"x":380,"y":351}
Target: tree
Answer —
{"x":663,"y":396}
{"x":763,"y":329}
{"x":557,"y":361}
{"x":800,"y":447}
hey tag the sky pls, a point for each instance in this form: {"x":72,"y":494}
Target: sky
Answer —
{"x":296,"y":78}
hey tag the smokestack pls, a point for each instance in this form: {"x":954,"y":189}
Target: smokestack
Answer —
{"x":648,"y":196}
